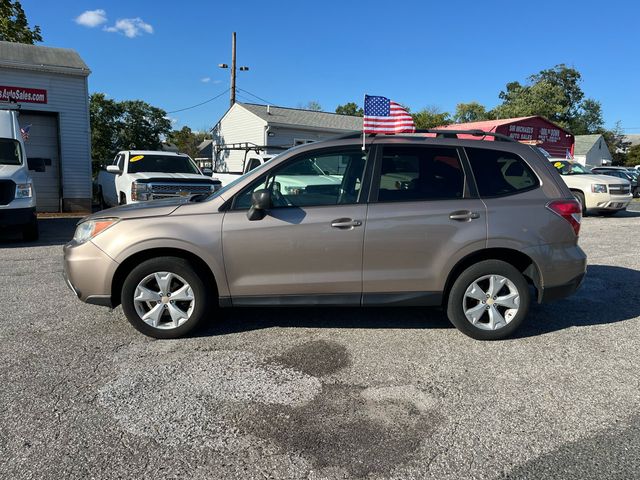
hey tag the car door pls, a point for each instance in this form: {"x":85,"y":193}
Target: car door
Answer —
{"x":308,"y":247}
{"x":422,"y":217}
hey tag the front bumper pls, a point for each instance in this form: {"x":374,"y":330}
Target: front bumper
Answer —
{"x":88,"y":272}
{"x":12,"y":217}
{"x":613,"y":203}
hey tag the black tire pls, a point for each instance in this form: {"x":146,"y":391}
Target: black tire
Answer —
{"x":123,"y":199}
{"x":202,"y":297}
{"x":102,"y":205}
{"x":580,"y":197}
{"x":456,"y":302}
{"x":608,"y":213}
{"x":31,"y":232}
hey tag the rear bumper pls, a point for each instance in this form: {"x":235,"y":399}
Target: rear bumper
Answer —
{"x":550,"y":294}
{"x":12,"y":217}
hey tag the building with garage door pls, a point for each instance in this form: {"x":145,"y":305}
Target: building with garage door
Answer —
{"x":49,"y":85}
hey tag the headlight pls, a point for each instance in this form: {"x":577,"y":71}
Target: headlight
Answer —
{"x":89,"y":229}
{"x":598,"y":188}
{"x":140,"y":191}
{"x":24,"y":190}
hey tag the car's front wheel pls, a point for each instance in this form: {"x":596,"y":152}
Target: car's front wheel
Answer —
{"x":165,"y":297}
{"x":489,"y":300}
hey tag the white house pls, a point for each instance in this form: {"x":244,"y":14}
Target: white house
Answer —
{"x":270,"y":130}
{"x":592,"y":150}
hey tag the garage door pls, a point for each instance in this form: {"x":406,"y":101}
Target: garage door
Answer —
{"x":43,"y":143}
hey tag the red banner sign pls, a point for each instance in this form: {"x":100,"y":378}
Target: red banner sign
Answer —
{"x":22,"y":95}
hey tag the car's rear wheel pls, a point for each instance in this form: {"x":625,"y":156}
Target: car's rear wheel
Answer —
{"x":165,"y":297}
{"x":489,"y":300}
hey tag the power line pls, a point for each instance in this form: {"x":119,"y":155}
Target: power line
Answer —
{"x":199,"y":104}
{"x":256,"y":96}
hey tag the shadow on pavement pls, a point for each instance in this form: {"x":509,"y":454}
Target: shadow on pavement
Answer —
{"x":53,"y":231}
{"x":608,"y":295}
{"x":613,"y":453}
{"x":234,"y":320}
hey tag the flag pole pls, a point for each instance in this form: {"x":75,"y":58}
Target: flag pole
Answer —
{"x":363,"y":104}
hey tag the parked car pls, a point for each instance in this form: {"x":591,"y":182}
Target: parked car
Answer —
{"x":620,"y":172}
{"x":17,"y":194}
{"x":599,"y":194}
{"x":137,"y":175}
{"x":411,"y":220}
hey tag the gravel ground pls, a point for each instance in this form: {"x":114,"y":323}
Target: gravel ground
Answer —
{"x":321,"y":393}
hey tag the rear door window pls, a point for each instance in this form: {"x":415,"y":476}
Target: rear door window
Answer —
{"x":410,"y":174}
{"x":500,"y":173}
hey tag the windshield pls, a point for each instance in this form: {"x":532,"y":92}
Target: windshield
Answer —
{"x":10,"y":152}
{"x":570,"y":168}
{"x":162,"y":164}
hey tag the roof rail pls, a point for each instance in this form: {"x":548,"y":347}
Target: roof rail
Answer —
{"x":440,"y":133}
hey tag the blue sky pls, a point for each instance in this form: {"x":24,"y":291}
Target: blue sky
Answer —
{"x":418,"y":53}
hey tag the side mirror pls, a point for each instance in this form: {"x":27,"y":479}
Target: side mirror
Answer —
{"x":260,"y":203}
{"x":114,"y":169}
{"x":36,"y":164}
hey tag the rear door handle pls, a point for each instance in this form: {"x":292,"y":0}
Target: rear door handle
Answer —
{"x":463,"y":215}
{"x":345,"y":223}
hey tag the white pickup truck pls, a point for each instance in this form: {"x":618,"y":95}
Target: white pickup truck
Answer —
{"x":140,"y":175}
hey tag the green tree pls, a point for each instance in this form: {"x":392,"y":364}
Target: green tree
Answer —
{"x":430,"y":117}
{"x":471,"y":112}
{"x":556,"y":94}
{"x":187,"y":140}
{"x":143,"y":126}
{"x":633,"y":156}
{"x":617,"y":144}
{"x":350,"y":108}
{"x":313,"y":105}
{"x":127,"y":125}
{"x":105,"y":116}
{"x":14,"y":26}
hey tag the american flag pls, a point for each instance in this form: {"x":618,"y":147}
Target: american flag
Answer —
{"x":381,"y":115}
{"x":24,"y":131}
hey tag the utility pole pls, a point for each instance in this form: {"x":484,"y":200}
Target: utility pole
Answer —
{"x":233,"y":70}
{"x":232,"y":89}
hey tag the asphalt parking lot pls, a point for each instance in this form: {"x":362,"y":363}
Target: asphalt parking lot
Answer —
{"x":321,"y":393}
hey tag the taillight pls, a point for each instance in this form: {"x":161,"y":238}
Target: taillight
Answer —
{"x":570,"y":210}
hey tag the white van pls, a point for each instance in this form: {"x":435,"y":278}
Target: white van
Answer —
{"x":17,"y":195}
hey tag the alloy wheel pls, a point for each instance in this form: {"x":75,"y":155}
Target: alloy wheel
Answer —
{"x":164,"y":300}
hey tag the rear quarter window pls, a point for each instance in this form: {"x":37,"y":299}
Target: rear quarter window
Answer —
{"x":499,"y":173}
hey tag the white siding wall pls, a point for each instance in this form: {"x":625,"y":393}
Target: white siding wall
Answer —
{"x":67,"y":95}
{"x":238,"y":125}
{"x":287,"y":136}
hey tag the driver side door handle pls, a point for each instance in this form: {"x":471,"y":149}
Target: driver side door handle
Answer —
{"x":463,"y":215}
{"x":345,"y":223}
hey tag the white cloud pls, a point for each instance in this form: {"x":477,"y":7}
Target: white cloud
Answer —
{"x":92,"y":18}
{"x":171,"y":119}
{"x":217,"y":82}
{"x":205,"y":79}
{"x":130,"y":27}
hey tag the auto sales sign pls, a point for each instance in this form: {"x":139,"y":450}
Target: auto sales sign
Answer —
{"x":22,"y":95}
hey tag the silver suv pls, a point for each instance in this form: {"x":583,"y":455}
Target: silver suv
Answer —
{"x":428,"y":219}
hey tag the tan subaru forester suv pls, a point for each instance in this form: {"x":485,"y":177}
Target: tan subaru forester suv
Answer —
{"x":427,"y":219}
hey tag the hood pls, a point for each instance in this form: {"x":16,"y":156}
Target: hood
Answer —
{"x":154,"y":208}
{"x":588,"y":178}
{"x":174,"y":176}
{"x":17,"y":173}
